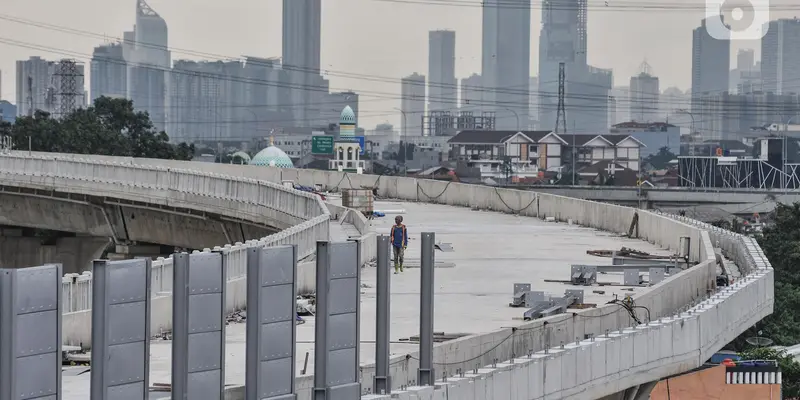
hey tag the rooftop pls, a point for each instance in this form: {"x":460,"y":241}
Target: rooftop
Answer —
{"x":492,"y":251}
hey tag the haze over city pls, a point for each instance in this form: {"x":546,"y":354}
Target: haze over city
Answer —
{"x":384,"y":38}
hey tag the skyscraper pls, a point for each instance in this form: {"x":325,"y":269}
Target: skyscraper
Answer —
{"x":35,"y":89}
{"x":710,"y":63}
{"x":780,"y":57}
{"x":412,"y":94}
{"x":471,"y":93}
{"x":109,"y":72}
{"x":644,"y":96}
{"x":442,"y":88}
{"x":149,"y":65}
{"x":302,"y":23}
{"x":505,"y":60}
{"x":563,"y":38}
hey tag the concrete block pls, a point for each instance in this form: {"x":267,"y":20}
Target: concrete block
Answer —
{"x":420,"y":392}
{"x":457,"y":388}
{"x":569,"y":366}
{"x":519,"y":378}
{"x":536,"y":376}
{"x":597,"y":357}
{"x":641,"y":345}
{"x":376,"y":397}
{"x":552,"y":372}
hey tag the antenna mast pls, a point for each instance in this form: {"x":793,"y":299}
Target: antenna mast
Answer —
{"x":561,"y":116}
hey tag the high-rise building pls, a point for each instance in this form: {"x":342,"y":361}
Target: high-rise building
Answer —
{"x":335,"y":103}
{"x":746,"y":78}
{"x":471,"y":93}
{"x":644,"y":94}
{"x":412,"y":104}
{"x":35,"y":89}
{"x":302,"y":23}
{"x":780,"y":57}
{"x":563,"y":39}
{"x":505,"y":60}
{"x":533,"y":103}
{"x":710,"y":63}
{"x":109,"y":72}
{"x":442,"y":88}
{"x":149,"y":64}
{"x":728,"y":116}
{"x":618,"y":110}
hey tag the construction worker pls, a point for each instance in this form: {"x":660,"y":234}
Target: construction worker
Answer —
{"x":399,"y":236}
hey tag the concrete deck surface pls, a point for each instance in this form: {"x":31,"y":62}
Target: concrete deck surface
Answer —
{"x":492,"y":251}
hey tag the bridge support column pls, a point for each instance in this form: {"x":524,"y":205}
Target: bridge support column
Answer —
{"x":74,"y":253}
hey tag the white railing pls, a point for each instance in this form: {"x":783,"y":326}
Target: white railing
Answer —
{"x":304,"y":213}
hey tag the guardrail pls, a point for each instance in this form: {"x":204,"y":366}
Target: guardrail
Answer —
{"x":685,"y":291}
{"x":305,"y":216}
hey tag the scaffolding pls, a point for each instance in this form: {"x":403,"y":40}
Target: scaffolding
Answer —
{"x":705,"y":172}
{"x":444,"y":123}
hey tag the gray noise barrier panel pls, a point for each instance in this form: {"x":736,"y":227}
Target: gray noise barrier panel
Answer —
{"x":271,"y":333}
{"x":120,"y":329}
{"x":30,"y":333}
{"x":336,"y":358}
{"x":198,"y":326}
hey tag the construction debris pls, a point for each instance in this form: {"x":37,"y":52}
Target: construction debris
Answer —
{"x":236,"y":317}
{"x":627,"y":252}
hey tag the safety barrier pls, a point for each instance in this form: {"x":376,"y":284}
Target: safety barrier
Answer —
{"x":680,"y":294}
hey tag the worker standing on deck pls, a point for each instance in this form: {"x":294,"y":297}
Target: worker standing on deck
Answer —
{"x":399,"y":236}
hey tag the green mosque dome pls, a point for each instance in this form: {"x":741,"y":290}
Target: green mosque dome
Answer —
{"x":272,"y":157}
{"x":348,"y":117}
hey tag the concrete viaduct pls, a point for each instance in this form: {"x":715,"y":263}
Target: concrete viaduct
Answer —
{"x":612,"y":357}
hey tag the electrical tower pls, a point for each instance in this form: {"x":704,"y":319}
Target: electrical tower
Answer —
{"x":561,"y":116}
{"x":69,"y":86}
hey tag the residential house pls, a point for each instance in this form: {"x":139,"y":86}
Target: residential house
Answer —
{"x":654,"y":135}
{"x":590,"y":149}
{"x":517,"y":155}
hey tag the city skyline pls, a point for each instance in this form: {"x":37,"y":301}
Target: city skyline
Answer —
{"x":341,"y":51}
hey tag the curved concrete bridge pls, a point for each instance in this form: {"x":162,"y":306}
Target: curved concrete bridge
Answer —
{"x":690,"y":318}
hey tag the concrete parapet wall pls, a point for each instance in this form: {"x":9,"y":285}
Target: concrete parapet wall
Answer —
{"x":696,"y":320}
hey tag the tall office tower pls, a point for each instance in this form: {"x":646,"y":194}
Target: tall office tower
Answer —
{"x":302,"y":22}
{"x":618,"y":110}
{"x":334,"y":104}
{"x":533,"y":103}
{"x":412,"y":103}
{"x":563,"y":39}
{"x":442,"y":88}
{"x":471,"y":93}
{"x":746,"y":77}
{"x":109,"y":72}
{"x":780,"y":57}
{"x":505,"y":60}
{"x":209,"y":101}
{"x":35,"y":90}
{"x":644,"y":96}
{"x":149,"y":65}
{"x":268,"y":96}
{"x":710,"y":63}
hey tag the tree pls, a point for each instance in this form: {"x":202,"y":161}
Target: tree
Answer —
{"x":661,"y":159}
{"x":109,"y":127}
{"x":780,"y":242}
{"x":790,"y":368}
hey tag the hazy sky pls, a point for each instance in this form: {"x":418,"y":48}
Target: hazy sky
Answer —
{"x":359,"y":36}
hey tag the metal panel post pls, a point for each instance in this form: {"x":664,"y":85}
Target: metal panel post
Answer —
{"x":383,"y":383}
{"x":121,"y":329}
{"x":271,"y":333}
{"x":30,"y":363}
{"x":336,"y":369}
{"x":198,"y":326}
{"x":426,"y":373}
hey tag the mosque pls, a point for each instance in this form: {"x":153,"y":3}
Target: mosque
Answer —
{"x":346,"y":153}
{"x":347,"y":149}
